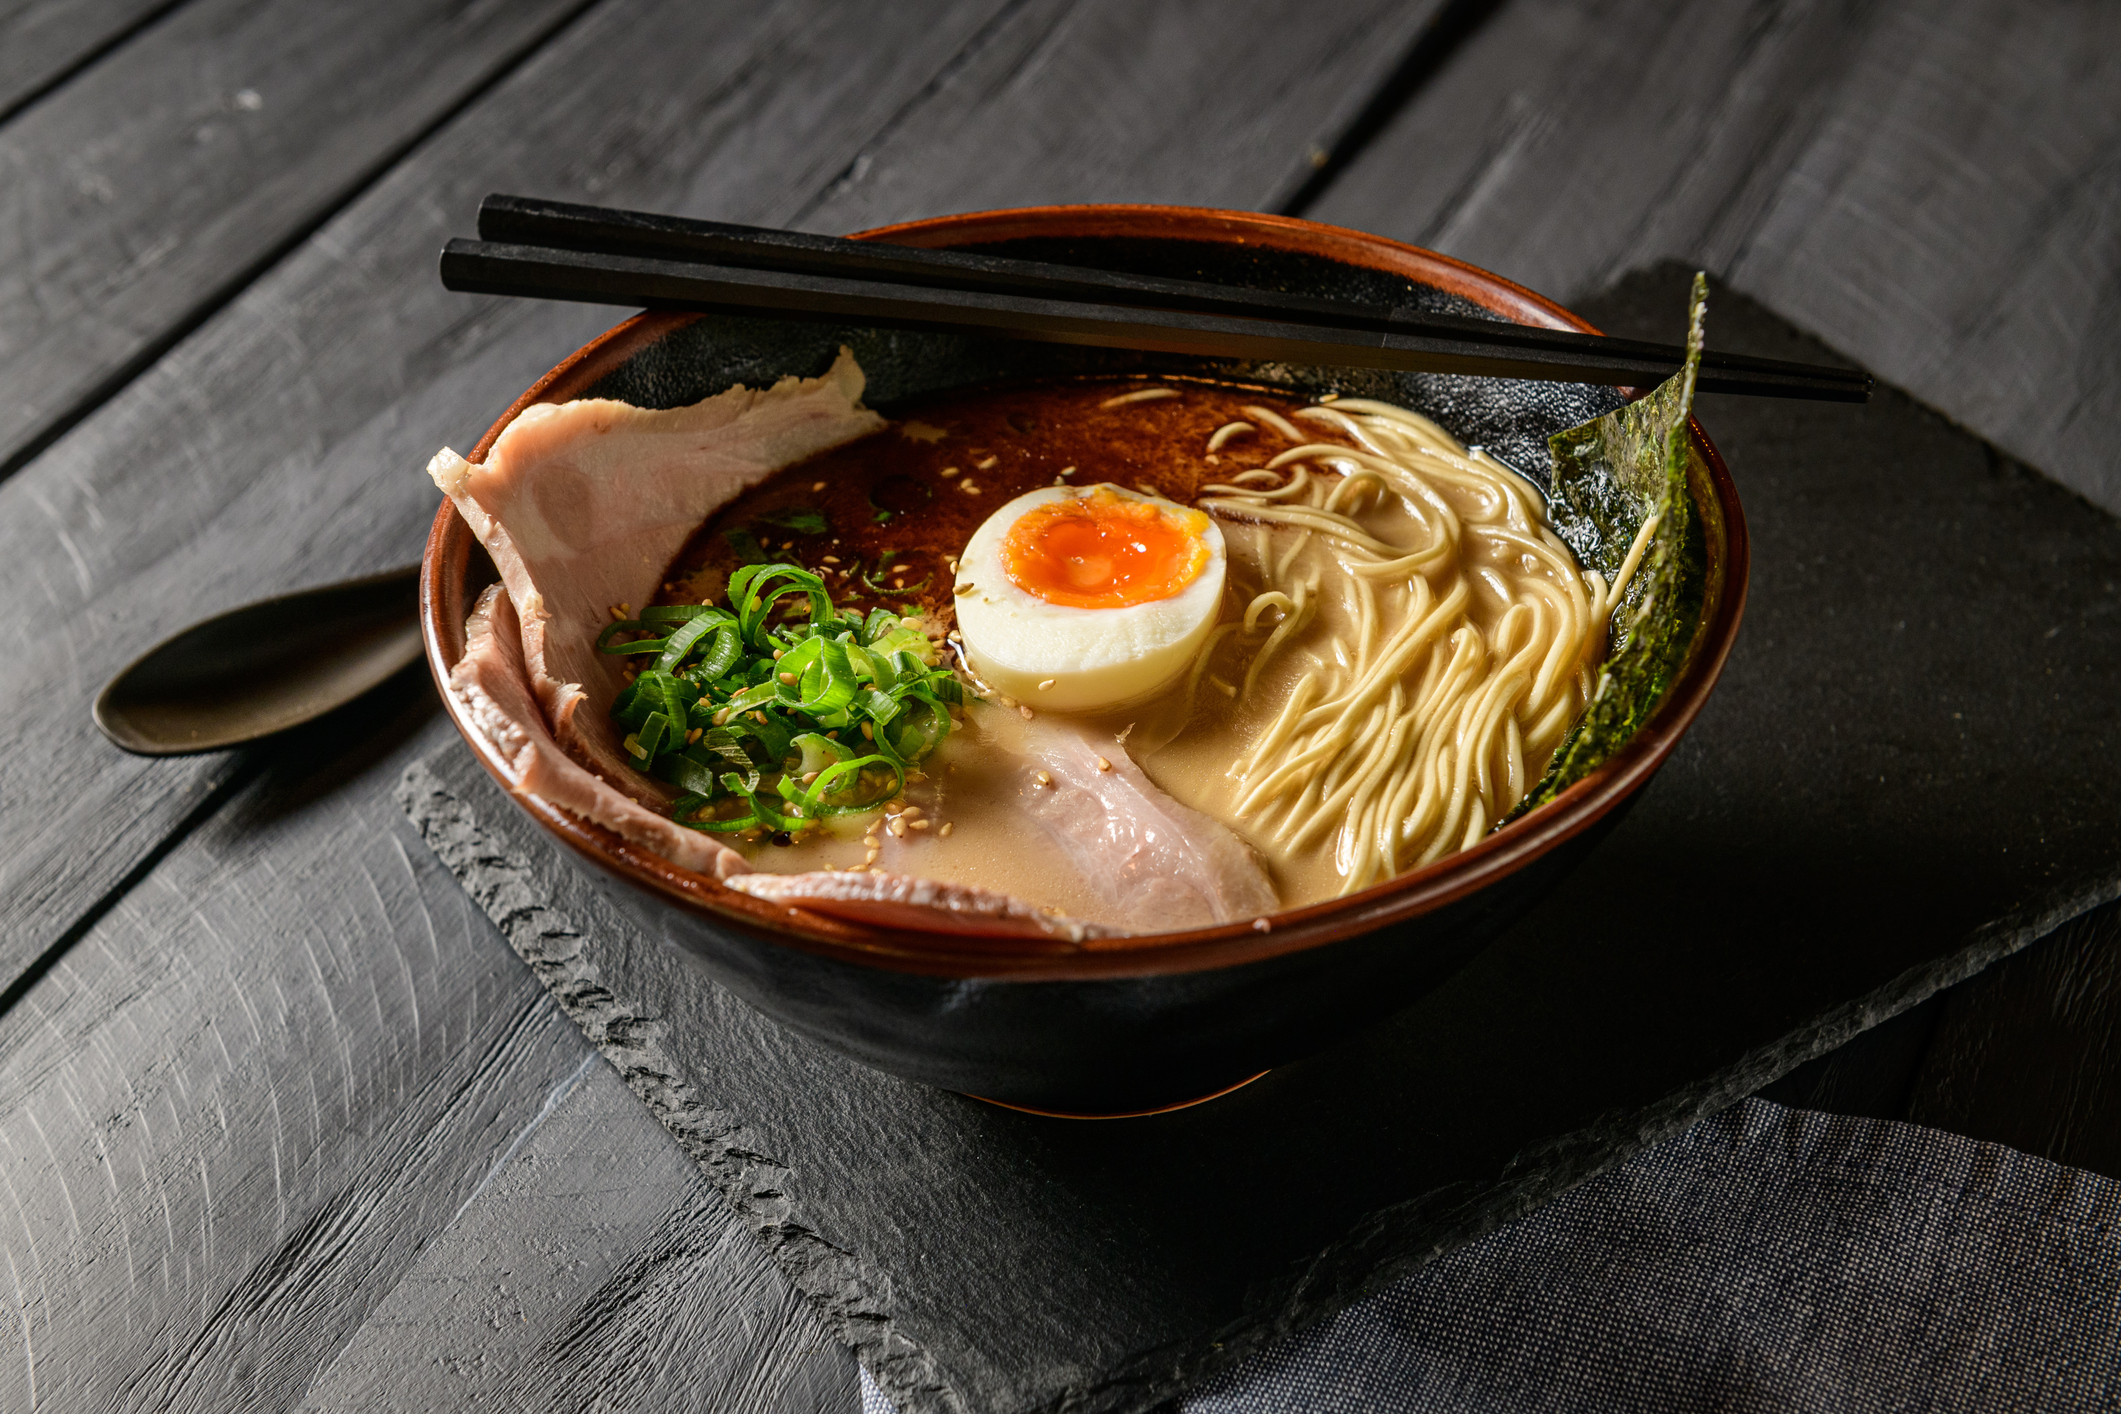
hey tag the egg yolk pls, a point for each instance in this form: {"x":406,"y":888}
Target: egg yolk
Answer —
{"x":1102,"y":551}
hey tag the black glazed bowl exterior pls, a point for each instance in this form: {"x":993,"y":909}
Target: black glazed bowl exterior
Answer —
{"x":1122,"y":1025}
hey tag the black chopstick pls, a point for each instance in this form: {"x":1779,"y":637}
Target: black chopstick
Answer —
{"x":530,"y":221}
{"x":556,"y":250}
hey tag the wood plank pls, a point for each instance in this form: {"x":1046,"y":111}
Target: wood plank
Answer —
{"x":1199,"y":103}
{"x":599,"y":1268}
{"x":44,"y":42}
{"x":282,"y":444}
{"x":1929,"y":188}
{"x":146,"y":190}
{"x":2029,"y":1053}
{"x":216,"y":1157}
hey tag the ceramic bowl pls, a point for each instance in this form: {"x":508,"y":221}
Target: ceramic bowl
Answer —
{"x":1124,"y":1024}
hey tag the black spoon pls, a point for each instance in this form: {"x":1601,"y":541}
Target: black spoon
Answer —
{"x":265,"y":667}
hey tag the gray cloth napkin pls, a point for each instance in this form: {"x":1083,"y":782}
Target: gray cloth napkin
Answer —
{"x":1767,"y":1259}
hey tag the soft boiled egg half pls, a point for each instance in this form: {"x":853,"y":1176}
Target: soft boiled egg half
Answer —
{"x":1079,"y":597}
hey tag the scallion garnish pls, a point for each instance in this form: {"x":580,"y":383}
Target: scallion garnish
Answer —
{"x":743,"y":707}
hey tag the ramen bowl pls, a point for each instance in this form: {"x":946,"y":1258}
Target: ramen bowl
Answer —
{"x":1132,"y":1024}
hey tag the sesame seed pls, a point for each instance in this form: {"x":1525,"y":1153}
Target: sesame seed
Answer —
{"x":955,"y":637}
{"x":876,"y":871}
{"x":830,"y":559}
{"x":693,"y":735}
{"x":1044,"y":778}
{"x":788,"y":678}
{"x":1103,"y":764}
{"x":947,"y":827}
{"x":964,"y":589}
{"x":872,"y":856}
{"x":1047,"y":683}
{"x":868,"y":732}
{"x":1026,"y":711}
{"x":984,"y":465}
{"x":918,"y":824}
{"x":618,"y":611}
{"x":970,"y":489}
{"x":1007,"y":701}
{"x":949,"y":471}
{"x":912,"y":812}
{"x":897,"y":826}
{"x":1330,"y":398}
{"x":809,"y":776}
{"x":1067,"y":471}
{"x":817,"y":485}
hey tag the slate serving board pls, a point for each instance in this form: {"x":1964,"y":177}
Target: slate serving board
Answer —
{"x":1909,"y":770}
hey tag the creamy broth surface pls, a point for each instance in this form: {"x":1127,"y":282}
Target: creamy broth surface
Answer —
{"x":883,"y":519}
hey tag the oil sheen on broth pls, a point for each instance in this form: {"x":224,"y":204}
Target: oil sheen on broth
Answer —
{"x":1401,"y":644}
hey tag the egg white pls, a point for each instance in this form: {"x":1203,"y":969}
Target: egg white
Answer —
{"x":1066,"y":659}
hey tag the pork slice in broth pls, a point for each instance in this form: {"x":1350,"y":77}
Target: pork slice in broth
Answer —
{"x":582,"y":505}
{"x":1055,"y":811}
{"x":493,"y":684}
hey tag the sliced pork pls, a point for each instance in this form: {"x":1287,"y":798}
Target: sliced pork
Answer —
{"x":904,"y":901}
{"x":1159,"y":865}
{"x":1146,"y":863}
{"x":493,"y":683}
{"x":584,"y":504}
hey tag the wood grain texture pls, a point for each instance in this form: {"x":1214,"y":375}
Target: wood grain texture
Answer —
{"x":599,"y":1268}
{"x":1930,"y":188}
{"x":42,"y":42}
{"x":232,"y":1114}
{"x":1200,"y":103}
{"x":155,"y":182}
{"x":282,"y":444}
{"x":2029,"y":1053}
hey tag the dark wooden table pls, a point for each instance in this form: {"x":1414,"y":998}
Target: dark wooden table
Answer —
{"x":283,"y":1122}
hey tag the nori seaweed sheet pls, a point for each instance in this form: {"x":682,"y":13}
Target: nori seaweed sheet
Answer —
{"x":1610,"y":475}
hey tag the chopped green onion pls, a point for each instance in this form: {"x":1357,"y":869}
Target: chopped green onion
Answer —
{"x":769,"y":714}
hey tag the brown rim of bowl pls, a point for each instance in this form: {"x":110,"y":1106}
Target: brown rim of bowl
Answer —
{"x":1024,"y":953}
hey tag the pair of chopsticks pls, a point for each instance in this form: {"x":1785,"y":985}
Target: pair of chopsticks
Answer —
{"x":554,"y":250}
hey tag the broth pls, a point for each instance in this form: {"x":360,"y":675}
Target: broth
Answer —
{"x":882,"y":519}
